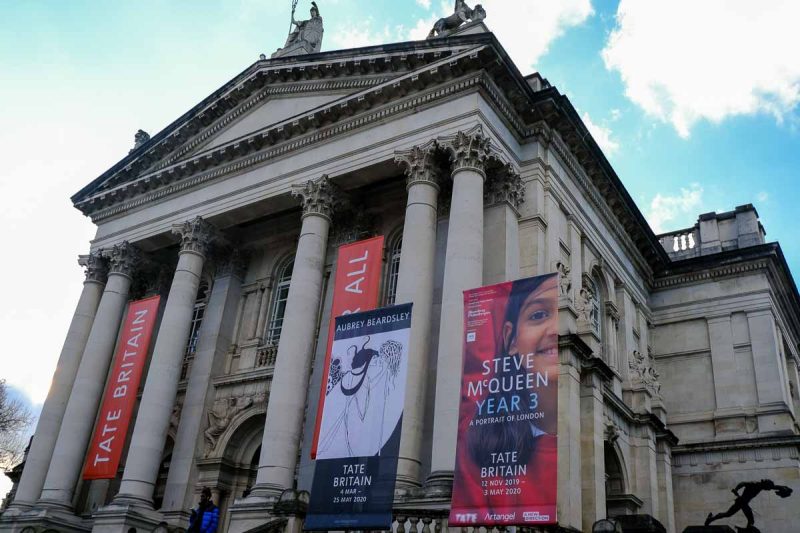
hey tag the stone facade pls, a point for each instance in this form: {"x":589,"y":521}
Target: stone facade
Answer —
{"x":678,"y":353}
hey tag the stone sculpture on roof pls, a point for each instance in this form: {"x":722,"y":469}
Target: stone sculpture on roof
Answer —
{"x":306,"y":37}
{"x":462,"y":14}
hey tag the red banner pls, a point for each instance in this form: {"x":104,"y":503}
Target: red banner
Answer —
{"x":119,"y":399}
{"x":355,"y":289}
{"x":506,"y":455}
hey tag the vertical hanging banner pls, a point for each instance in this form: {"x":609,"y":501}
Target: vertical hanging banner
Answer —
{"x":355,"y":289}
{"x":119,"y":399}
{"x":359,"y":442}
{"x":506,"y":455}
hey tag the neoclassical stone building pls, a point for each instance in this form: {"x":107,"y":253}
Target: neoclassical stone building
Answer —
{"x":679,"y":353}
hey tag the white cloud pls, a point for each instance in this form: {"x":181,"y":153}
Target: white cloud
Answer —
{"x":601,"y":135}
{"x":680,"y":209}
{"x":424,"y":3}
{"x":361,"y":34}
{"x":686,"y":61}
{"x":762,"y":197}
{"x":525,"y":29}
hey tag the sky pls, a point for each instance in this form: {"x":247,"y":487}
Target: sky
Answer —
{"x":695,"y":104}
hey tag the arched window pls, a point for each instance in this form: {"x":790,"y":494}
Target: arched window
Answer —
{"x":280,"y":295}
{"x":197,"y":318}
{"x":595,"y":317}
{"x":392,"y":268}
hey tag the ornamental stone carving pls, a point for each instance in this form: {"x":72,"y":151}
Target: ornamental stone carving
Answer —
{"x":139,"y":138}
{"x":354,"y":224}
{"x":231,"y":262}
{"x":468,"y":150}
{"x":95,"y":266}
{"x":196,"y":235}
{"x":564,"y":281}
{"x":505,"y":187}
{"x":220,"y":417}
{"x":306,"y":37}
{"x":643,"y":372}
{"x":123,"y":258}
{"x":586,"y":304}
{"x":462,"y":14}
{"x":319,"y":197}
{"x":419,"y":164}
{"x":611,"y":430}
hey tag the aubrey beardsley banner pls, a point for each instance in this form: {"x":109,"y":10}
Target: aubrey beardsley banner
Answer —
{"x":506,"y":456}
{"x":119,"y":399}
{"x":355,"y":288}
{"x":359,"y":439}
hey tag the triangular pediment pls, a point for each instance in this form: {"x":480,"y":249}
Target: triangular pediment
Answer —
{"x":274,"y":109}
{"x":269,"y":92}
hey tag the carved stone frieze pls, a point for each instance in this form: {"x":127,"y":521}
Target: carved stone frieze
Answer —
{"x":231,"y":262}
{"x":505,"y":186}
{"x":419,"y":164}
{"x":586,"y":304}
{"x":196,"y":235}
{"x":95,"y":266}
{"x":123,"y":258}
{"x":564,"y":280}
{"x":219,"y":418}
{"x":353,"y":224}
{"x":468,"y":150}
{"x":611,"y":431}
{"x":643,"y":372}
{"x":319,"y":197}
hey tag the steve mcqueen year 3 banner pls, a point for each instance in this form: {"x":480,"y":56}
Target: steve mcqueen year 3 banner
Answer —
{"x":506,"y":456}
{"x":359,"y":442}
{"x":119,"y":398}
{"x":355,"y":288}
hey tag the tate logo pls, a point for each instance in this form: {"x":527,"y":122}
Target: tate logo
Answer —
{"x":466,"y":517}
{"x":471,"y":336}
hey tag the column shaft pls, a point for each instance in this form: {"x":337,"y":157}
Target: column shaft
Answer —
{"x":289,"y":388}
{"x":463,"y":270}
{"x":161,"y":385}
{"x":216,"y":334}
{"x":81,"y":410}
{"x":49,"y":424}
{"x":415,"y":284}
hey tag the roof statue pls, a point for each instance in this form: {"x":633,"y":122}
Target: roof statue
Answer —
{"x":306,"y":37}
{"x":139,"y":138}
{"x":462,"y":14}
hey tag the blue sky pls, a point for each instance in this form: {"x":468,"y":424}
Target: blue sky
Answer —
{"x":695,"y":104}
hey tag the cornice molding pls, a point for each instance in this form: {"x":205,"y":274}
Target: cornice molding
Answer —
{"x":711,"y":273}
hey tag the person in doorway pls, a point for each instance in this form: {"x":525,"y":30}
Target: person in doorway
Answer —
{"x":205,"y":518}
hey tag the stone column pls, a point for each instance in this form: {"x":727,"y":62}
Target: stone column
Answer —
{"x":503,"y":197}
{"x":216,"y":333}
{"x":289,"y":389}
{"x":572,"y":352}
{"x":84,"y":400}
{"x":463,"y":270}
{"x":415,"y":284}
{"x":38,"y":459}
{"x":163,"y":374}
{"x":592,"y":429}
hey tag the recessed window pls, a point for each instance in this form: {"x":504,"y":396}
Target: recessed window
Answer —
{"x":280,"y":296}
{"x":393,"y":269}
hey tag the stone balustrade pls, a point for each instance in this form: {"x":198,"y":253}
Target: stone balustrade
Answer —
{"x":266,"y":355}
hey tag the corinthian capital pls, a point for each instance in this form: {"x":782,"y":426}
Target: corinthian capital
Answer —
{"x":468,"y":150}
{"x":123,"y":258}
{"x":419,"y":164}
{"x":505,"y":186}
{"x":196,"y":235}
{"x":95,"y":266}
{"x":318,"y":197}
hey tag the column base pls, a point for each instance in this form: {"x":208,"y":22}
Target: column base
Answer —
{"x":44,"y":519}
{"x":250,"y":512}
{"x":439,"y":484}
{"x":121,"y":517}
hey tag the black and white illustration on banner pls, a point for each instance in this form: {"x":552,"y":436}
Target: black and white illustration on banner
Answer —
{"x":364,"y":398}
